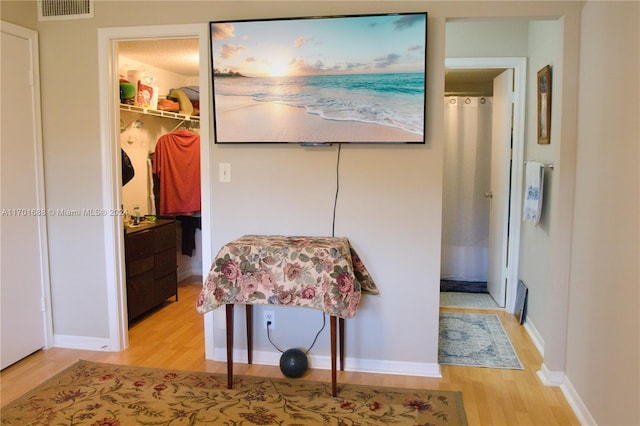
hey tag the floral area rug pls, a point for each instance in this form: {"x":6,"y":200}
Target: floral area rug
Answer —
{"x":89,"y":393}
{"x":476,"y":340}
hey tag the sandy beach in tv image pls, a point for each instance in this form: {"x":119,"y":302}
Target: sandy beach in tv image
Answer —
{"x":339,"y":79}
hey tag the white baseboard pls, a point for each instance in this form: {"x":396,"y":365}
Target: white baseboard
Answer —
{"x":558,"y":378}
{"x":579,"y":408}
{"x":535,"y":336}
{"x":351,"y":364}
{"x":81,"y":342}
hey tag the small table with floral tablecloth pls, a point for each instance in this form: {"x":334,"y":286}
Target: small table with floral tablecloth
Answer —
{"x":322,"y":273}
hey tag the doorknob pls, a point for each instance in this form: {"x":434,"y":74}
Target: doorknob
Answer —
{"x":488,"y":194}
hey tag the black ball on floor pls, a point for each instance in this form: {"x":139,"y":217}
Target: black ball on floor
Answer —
{"x":293,"y":363}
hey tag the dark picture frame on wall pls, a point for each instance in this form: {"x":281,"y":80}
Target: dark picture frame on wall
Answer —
{"x":544,"y":105}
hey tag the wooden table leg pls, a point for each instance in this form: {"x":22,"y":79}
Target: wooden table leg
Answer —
{"x":341,"y":334}
{"x":334,"y":387}
{"x":229,"y":346}
{"x":249,"y":315}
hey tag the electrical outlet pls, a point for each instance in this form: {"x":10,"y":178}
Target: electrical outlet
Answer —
{"x":269,"y":316}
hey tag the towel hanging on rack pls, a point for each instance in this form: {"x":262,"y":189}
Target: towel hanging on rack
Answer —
{"x":534,"y":183}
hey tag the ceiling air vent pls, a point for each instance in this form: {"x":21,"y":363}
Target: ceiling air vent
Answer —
{"x":56,"y":10}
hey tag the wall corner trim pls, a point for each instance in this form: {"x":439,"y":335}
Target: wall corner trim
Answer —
{"x":550,"y":378}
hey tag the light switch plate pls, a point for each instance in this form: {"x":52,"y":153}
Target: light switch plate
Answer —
{"x":224,"y":170}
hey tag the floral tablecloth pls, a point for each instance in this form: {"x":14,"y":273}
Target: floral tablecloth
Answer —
{"x":315,"y":272}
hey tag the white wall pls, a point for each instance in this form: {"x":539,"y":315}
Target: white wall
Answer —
{"x":603,"y":348}
{"x":69,"y":93}
{"x":536,"y":245}
{"x":504,"y":37}
{"x":22,"y":13}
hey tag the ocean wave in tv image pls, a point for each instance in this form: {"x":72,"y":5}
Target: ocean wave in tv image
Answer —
{"x":393,"y":100}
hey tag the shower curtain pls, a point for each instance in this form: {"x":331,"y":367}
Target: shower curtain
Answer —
{"x":466,"y":179}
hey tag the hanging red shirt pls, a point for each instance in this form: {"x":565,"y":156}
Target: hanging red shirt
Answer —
{"x":177,"y":165}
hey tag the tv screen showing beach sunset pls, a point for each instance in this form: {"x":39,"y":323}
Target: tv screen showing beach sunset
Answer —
{"x":347,"y":79}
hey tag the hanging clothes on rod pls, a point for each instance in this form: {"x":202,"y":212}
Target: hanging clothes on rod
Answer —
{"x":186,"y":124}
{"x":177,"y":165}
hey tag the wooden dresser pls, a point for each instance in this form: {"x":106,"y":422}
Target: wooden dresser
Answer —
{"x":150,"y":257}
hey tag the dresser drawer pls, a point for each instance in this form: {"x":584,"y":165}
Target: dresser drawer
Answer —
{"x":151,"y":265}
{"x":139,"y":289}
{"x":164,"y":263}
{"x":167,"y":286}
{"x":136,"y":267}
{"x":164,"y":237}
{"x":139,"y":245}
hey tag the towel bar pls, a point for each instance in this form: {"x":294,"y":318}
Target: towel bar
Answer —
{"x":548,"y":166}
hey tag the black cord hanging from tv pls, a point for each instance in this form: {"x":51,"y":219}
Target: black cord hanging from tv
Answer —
{"x":293,"y":362}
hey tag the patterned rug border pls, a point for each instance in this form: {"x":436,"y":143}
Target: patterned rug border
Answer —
{"x":455,"y":396}
{"x":513,"y":364}
{"x":236,"y":377}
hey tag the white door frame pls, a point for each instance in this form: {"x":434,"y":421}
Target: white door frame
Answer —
{"x":111,"y":162}
{"x":519,"y":66}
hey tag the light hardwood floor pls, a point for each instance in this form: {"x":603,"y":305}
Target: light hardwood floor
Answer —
{"x":172,"y":337}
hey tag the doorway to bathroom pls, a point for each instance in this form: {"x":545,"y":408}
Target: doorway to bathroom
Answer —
{"x":482,"y":105}
{"x":466,"y":203}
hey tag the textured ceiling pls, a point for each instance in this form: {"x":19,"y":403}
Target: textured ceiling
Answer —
{"x":176,"y":55}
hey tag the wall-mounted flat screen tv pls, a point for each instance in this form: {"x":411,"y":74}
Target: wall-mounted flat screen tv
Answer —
{"x":319,"y":80}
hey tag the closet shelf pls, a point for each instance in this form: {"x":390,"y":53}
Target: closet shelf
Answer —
{"x":158,"y":113}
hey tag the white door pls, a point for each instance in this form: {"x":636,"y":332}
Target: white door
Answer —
{"x":500,"y":189}
{"x":24,"y":263}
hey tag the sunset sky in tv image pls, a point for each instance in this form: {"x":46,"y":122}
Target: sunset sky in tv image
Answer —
{"x":336,"y":45}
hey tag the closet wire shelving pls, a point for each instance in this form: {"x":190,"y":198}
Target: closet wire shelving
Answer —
{"x":186,"y":120}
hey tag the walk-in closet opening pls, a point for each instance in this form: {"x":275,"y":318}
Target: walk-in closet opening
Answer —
{"x":120,"y":127}
{"x":161,"y":174}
